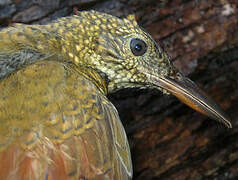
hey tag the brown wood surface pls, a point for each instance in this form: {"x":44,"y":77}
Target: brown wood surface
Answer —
{"x":169,"y":140}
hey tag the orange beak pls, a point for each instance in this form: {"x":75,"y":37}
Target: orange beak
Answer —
{"x":190,"y":94}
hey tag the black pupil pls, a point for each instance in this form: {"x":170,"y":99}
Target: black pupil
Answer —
{"x":138,"y":47}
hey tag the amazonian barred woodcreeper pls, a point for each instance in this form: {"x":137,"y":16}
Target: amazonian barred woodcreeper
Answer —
{"x":55,"y":119}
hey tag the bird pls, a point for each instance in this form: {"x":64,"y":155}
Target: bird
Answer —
{"x":56,"y":120}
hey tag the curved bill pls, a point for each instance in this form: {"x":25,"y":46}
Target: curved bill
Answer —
{"x":190,"y":94}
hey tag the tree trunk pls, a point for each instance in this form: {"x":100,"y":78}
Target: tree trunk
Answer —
{"x":169,"y":140}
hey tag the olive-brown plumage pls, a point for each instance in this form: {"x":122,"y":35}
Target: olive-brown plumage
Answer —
{"x":56,"y":122}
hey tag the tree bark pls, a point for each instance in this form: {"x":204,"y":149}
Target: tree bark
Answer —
{"x":169,"y":140}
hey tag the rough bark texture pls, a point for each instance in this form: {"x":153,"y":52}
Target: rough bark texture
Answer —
{"x":168,"y":140}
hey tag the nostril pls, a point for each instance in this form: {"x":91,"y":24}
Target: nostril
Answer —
{"x":179,"y":75}
{"x":176,"y":75}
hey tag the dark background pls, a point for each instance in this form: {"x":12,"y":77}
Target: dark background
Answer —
{"x":169,"y":140}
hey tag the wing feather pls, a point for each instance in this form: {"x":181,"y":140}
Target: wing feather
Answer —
{"x":55,"y":124}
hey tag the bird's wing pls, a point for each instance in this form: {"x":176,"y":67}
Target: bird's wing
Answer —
{"x":55,"y":124}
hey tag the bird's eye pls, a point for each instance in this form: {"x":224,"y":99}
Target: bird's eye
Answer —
{"x":138,"y":47}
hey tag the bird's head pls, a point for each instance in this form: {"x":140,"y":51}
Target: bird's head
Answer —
{"x":127,"y":56}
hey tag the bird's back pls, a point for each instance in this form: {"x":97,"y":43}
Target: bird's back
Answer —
{"x":56,"y":124}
